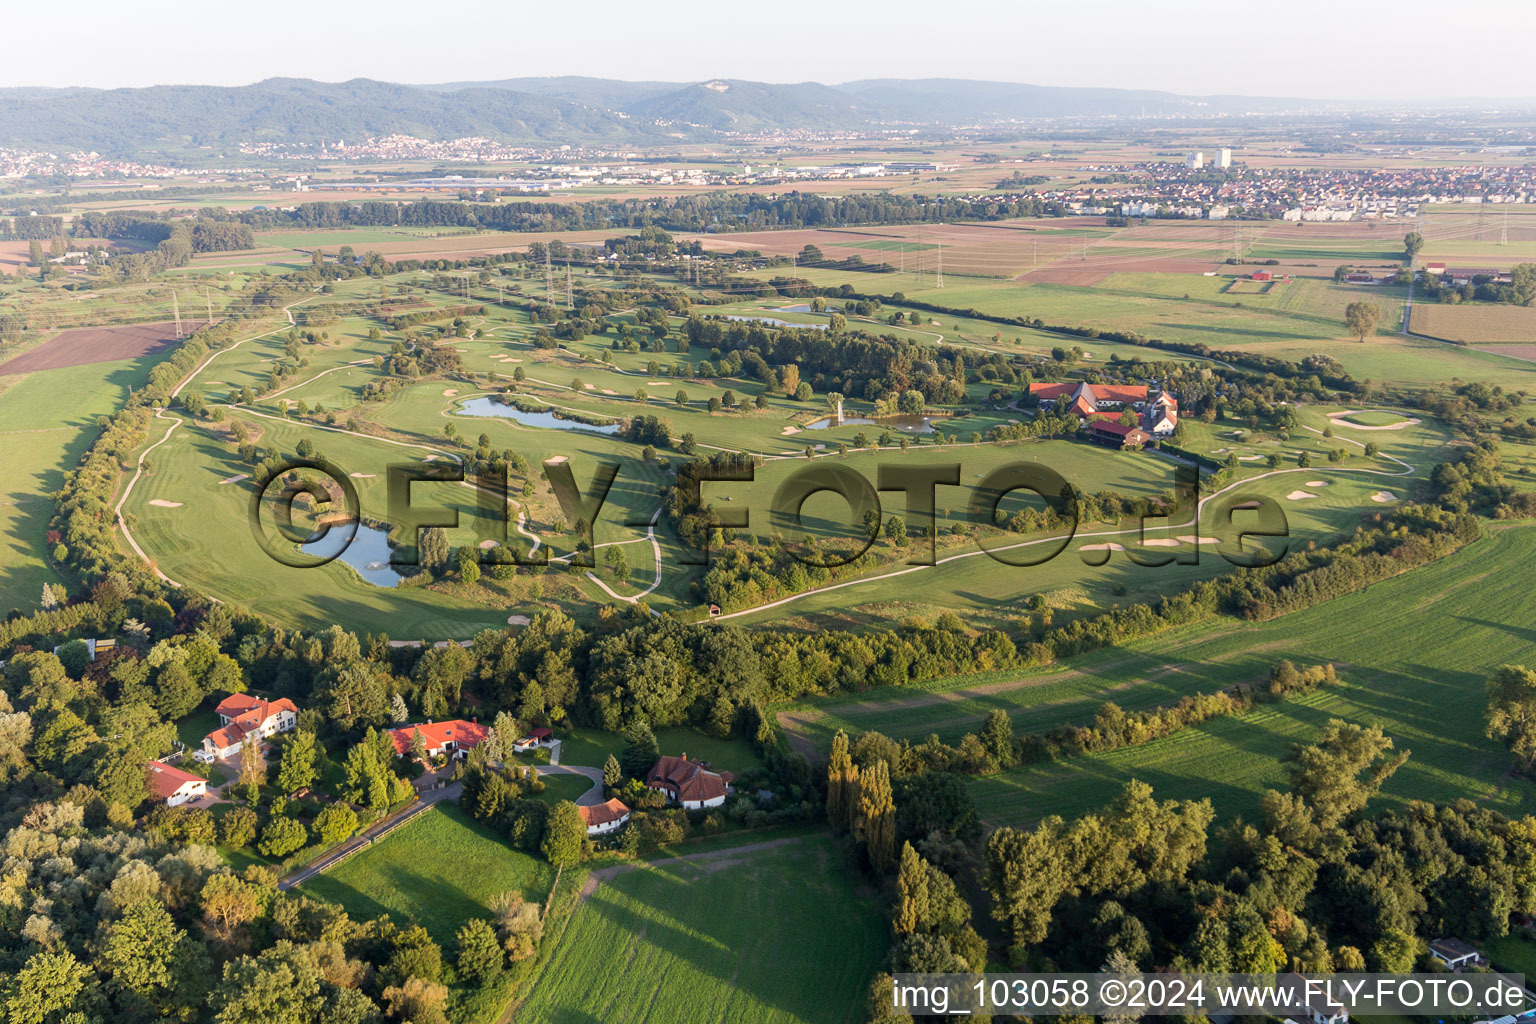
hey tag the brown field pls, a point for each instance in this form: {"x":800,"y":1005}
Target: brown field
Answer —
{"x":97,"y":345}
{"x":1476,"y":324}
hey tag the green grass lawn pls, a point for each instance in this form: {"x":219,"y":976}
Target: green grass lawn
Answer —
{"x":591,"y":747}
{"x":773,"y":936}
{"x":1375,"y":418}
{"x":563,"y":787}
{"x":439,"y":869}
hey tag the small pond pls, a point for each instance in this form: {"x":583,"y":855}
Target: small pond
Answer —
{"x":490,"y":407}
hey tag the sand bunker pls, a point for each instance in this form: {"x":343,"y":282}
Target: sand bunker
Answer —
{"x":1190,"y":539}
{"x":486,"y":545}
{"x":1160,"y":542}
{"x":609,"y":391}
{"x":1317,"y":483}
{"x":1299,"y":495}
{"x":518,"y":620}
{"x":1338,"y":420}
{"x":162,"y":503}
{"x":655,"y":383}
{"x":450,"y":392}
{"x":1250,"y":458}
{"x":1102,"y":547}
{"x":362,"y":476}
{"x":1248,"y":504}
{"x":1383,"y":496}
{"x":234,"y":479}
{"x":790,"y":430}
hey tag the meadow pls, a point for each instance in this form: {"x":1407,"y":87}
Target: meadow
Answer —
{"x":775,"y":934}
{"x":416,"y":875}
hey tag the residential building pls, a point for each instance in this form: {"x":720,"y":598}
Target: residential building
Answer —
{"x":1117,"y":435}
{"x":442,"y":739}
{"x":605,"y":817}
{"x":1454,"y":953}
{"x":1193,"y":161}
{"x":173,"y":786}
{"x":540,"y":737}
{"x":689,"y":783}
{"x":246,"y":718}
{"x":1223,"y":158}
{"x":1162,"y":415}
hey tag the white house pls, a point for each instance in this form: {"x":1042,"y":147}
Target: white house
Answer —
{"x":605,"y":817}
{"x":246,"y":718}
{"x":173,"y":786}
{"x":1162,"y":415}
{"x":1454,"y":953}
{"x":689,"y":782}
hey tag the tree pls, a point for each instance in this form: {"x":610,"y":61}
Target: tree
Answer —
{"x":997,"y":737}
{"x":297,"y":768}
{"x":877,"y":816}
{"x":238,"y":828}
{"x":1343,"y":769}
{"x":1304,"y":460}
{"x":640,"y":752}
{"x":147,"y":955}
{"x":896,"y":530}
{"x":419,"y":747}
{"x":617,"y":563}
{"x":335,"y":823}
{"x":1362,"y":318}
{"x":253,"y":773}
{"x":911,"y":892}
{"x":1413,"y":242}
{"x":398,"y":712}
{"x":1511,"y":694}
{"x":479,"y":955}
{"x":564,"y":833}
{"x":613,"y":774}
{"x":681,"y":398}
{"x":469,"y":565}
{"x":46,"y":989}
{"x":281,"y":837}
{"x":432,"y":553}
{"x":842,"y":785}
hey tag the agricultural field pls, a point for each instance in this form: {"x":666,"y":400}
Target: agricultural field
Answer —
{"x":47,"y":419}
{"x":1479,"y":324}
{"x":713,"y":938}
{"x":1465,"y":613}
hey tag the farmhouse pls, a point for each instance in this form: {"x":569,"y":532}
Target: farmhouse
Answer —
{"x":442,"y":739}
{"x":608,"y":816}
{"x":246,"y":718}
{"x":1160,"y":413}
{"x":1261,"y":275}
{"x":689,"y":782}
{"x":536,"y":738}
{"x":173,"y":786}
{"x":1117,"y":435}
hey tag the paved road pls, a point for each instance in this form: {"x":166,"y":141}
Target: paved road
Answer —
{"x":427,"y":799}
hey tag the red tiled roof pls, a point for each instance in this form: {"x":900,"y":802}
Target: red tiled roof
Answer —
{"x":164,"y":780}
{"x":1110,"y":427}
{"x":246,"y":715}
{"x":685,"y":779}
{"x":436,"y":734}
{"x":603,"y":813}
{"x":541,"y":733}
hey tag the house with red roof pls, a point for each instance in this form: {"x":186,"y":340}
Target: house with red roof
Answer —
{"x":1159,"y":413}
{"x":245,"y":717}
{"x":689,"y":783}
{"x":540,"y":737}
{"x":1117,"y":435}
{"x":605,"y":817}
{"x":443,"y":739}
{"x":173,"y":786}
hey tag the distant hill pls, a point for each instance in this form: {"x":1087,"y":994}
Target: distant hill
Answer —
{"x":571,"y":109}
{"x":290,"y":109}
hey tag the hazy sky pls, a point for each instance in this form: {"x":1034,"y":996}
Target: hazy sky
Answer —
{"x":1333,"y":49}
